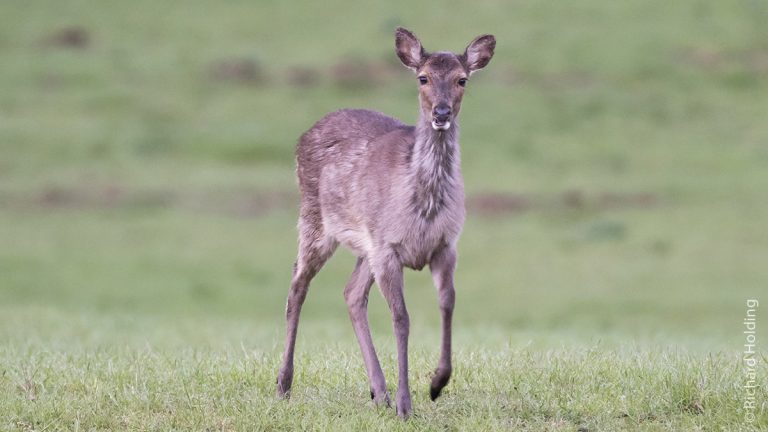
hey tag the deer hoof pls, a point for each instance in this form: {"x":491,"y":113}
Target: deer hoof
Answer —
{"x":381,"y":400}
{"x":284,"y":385}
{"x":404,"y":409}
{"x":440,"y":380}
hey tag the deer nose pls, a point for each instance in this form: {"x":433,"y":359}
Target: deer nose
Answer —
{"x":442,"y":110}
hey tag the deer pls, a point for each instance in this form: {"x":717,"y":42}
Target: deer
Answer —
{"x":392,"y":194}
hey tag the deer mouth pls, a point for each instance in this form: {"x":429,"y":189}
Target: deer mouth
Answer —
{"x":441,"y":124}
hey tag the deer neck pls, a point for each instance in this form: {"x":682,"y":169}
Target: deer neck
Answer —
{"x":434,"y":167}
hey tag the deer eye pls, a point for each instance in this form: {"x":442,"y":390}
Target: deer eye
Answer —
{"x":423,"y":80}
{"x":462,"y":82}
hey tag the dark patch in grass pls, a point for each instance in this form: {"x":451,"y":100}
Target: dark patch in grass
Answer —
{"x":73,"y":37}
{"x":106,"y":197}
{"x":704,"y":57}
{"x":203,"y":291}
{"x":694,"y":406}
{"x":497,"y":203}
{"x":248,"y":153}
{"x":661,"y":247}
{"x":605,"y":230}
{"x":638,"y":418}
{"x":252,"y":202}
{"x":242,"y":203}
{"x":237,"y":70}
{"x":51,"y":81}
{"x":757,"y":60}
{"x":624,"y":200}
{"x":574,"y":199}
{"x":355,"y":73}
{"x":750,"y":62}
{"x":302,"y":76}
{"x":563,"y":80}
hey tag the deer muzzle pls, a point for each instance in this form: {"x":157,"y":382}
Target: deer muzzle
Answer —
{"x":441,"y":117}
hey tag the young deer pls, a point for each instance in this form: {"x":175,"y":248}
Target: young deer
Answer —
{"x":393,"y":194}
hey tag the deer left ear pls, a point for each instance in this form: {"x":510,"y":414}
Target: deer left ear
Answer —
{"x":479,"y":53}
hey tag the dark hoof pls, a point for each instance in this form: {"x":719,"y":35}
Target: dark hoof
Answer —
{"x":403,"y":406}
{"x":434,"y":393}
{"x":382,"y":400}
{"x":404,"y":412}
{"x":284,"y":386}
{"x":282,"y":392}
{"x":439,"y":381}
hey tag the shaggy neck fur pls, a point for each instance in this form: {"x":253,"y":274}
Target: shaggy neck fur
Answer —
{"x":434,"y":166}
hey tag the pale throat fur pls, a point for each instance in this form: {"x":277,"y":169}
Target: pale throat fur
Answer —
{"x":435,"y":165}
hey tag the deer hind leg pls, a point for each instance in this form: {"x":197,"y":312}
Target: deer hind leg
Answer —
{"x":314,"y":250}
{"x":356,"y":296}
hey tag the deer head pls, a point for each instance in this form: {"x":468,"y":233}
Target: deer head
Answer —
{"x":443,"y":75}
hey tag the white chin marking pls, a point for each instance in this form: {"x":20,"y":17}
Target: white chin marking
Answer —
{"x":443,"y":126}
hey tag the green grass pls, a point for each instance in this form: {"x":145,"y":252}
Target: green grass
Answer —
{"x":588,"y":388}
{"x":147,"y":216}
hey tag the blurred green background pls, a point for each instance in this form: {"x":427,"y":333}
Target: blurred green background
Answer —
{"x":615,"y":157}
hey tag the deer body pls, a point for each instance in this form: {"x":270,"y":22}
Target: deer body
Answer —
{"x":390,"y":185}
{"x":392,"y":194}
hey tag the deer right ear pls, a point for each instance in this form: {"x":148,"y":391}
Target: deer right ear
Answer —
{"x":409,"y":49}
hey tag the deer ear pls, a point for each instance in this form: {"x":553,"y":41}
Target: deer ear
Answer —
{"x":409,"y":49}
{"x":479,"y":52}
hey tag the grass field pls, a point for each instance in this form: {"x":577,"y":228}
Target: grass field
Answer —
{"x":615,"y":156}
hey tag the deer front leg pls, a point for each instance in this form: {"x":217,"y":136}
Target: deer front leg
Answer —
{"x":442,"y":266}
{"x":389,"y":276}
{"x":356,"y":296}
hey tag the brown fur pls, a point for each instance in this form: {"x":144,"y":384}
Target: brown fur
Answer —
{"x":393,"y":194}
